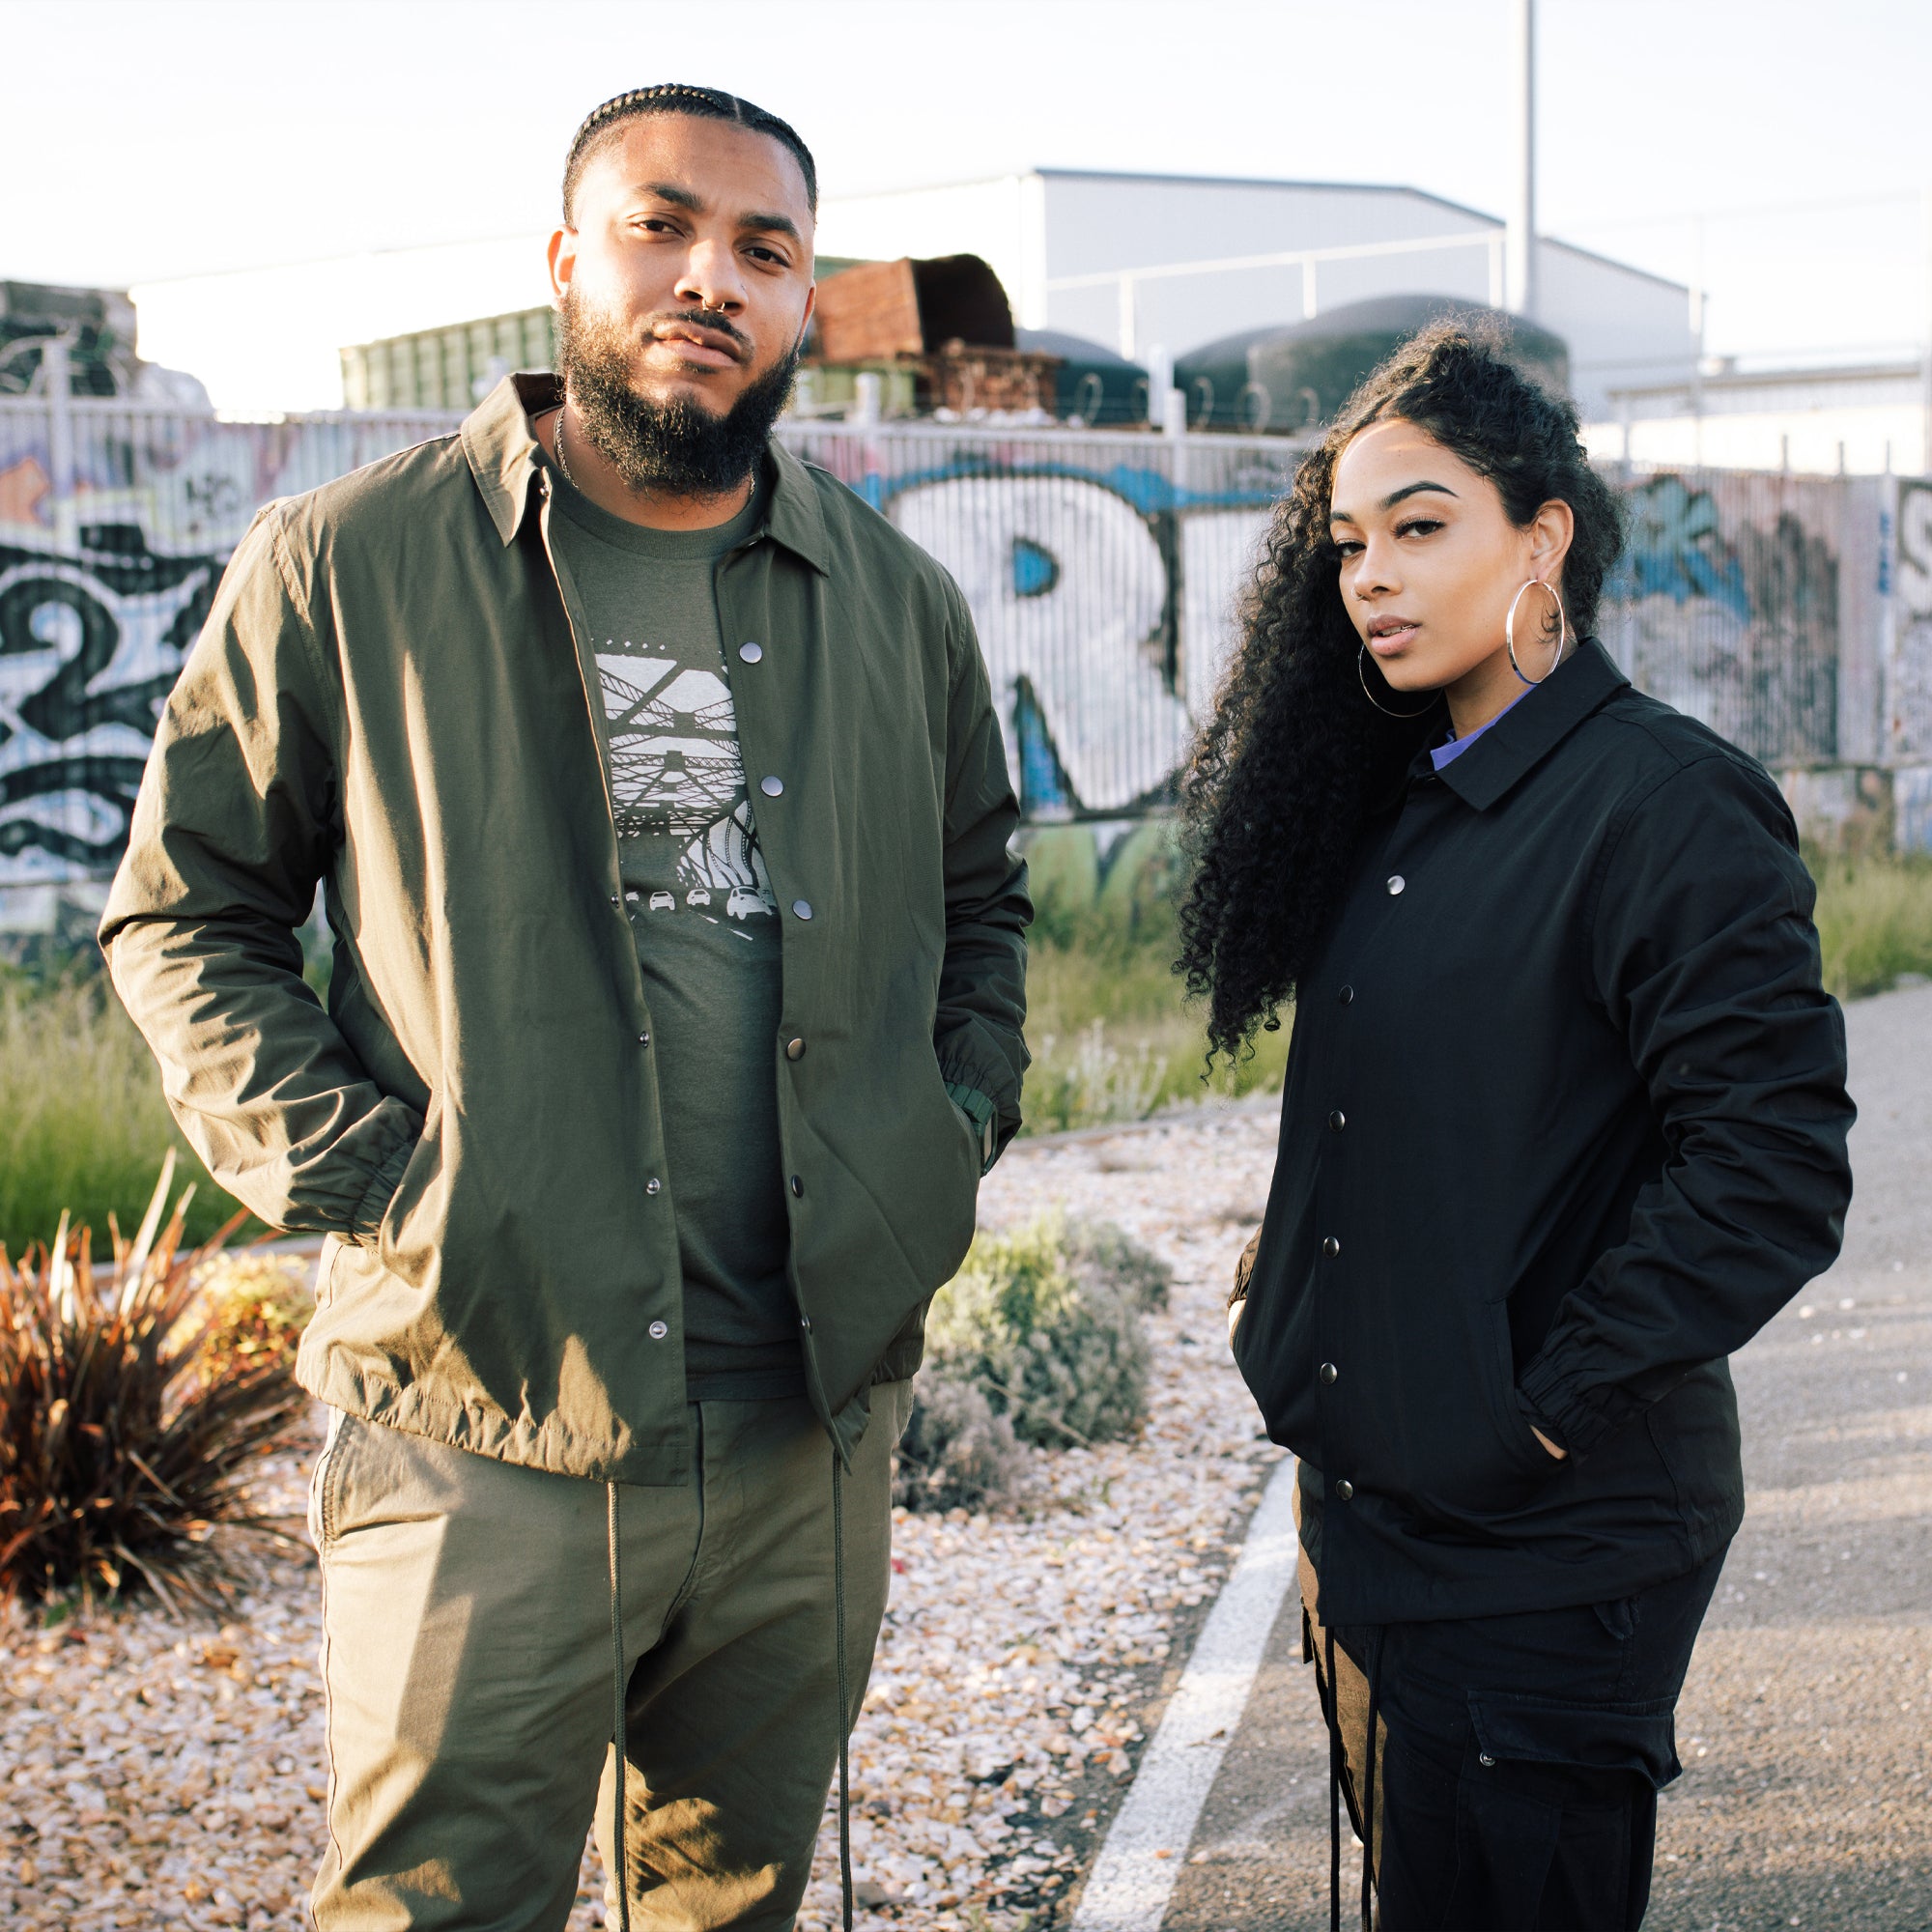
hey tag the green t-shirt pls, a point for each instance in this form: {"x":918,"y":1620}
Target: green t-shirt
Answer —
{"x":706,"y":925}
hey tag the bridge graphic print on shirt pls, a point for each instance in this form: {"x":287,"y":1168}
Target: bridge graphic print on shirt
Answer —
{"x":677,"y":772}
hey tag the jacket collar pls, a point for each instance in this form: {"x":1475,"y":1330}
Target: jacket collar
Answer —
{"x":1527,"y":732}
{"x":503,"y":457}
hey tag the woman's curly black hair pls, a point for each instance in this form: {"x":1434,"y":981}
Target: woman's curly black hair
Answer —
{"x":1274,"y":800}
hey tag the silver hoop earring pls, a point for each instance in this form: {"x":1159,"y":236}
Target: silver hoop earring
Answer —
{"x":1362,"y":672}
{"x":1562,"y":629}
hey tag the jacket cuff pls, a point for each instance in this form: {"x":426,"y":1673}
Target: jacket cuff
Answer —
{"x":981,"y":1111}
{"x":1550,"y":1403}
{"x":365,"y":1220}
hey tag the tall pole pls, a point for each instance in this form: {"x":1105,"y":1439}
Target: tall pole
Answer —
{"x":1926,"y":374}
{"x":1521,"y":239}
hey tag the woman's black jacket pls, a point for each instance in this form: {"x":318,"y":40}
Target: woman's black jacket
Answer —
{"x":1564,"y":1125}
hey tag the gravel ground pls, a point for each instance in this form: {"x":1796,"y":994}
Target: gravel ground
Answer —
{"x":169,"y":1774}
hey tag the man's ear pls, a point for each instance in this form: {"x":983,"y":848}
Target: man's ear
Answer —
{"x":561,"y":256}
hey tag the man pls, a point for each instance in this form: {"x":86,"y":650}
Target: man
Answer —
{"x":676,"y":1006}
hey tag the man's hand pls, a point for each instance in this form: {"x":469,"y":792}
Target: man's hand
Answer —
{"x":1560,"y":1454}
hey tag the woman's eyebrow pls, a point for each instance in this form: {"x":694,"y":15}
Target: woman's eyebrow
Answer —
{"x":1395,"y":497}
{"x":1389,"y":502}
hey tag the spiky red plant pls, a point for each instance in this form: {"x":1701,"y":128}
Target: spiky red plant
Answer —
{"x":116,"y":1455}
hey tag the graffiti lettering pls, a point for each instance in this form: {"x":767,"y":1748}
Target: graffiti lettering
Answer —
{"x":87,"y":651}
{"x":1740,"y":631}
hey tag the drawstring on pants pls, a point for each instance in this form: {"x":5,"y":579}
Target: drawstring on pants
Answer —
{"x":1332,"y":1712}
{"x":1369,"y":1787}
{"x":1365,"y":1797}
{"x":617,"y":1742}
{"x":844,"y":1707}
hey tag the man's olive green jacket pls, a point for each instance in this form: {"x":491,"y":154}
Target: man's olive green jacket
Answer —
{"x":388,"y":696}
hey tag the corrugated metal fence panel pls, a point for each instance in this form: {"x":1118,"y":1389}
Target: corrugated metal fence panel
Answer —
{"x":1104,"y":571}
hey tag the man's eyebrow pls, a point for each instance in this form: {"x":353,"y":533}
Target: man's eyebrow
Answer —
{"x":1388,"y":503}
{"x":678,"y":197}
{"x":772,"y":224}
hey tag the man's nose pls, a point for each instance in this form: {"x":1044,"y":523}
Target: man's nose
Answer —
{"x":711,"y":279}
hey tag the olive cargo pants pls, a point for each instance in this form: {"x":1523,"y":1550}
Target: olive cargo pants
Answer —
{"x":468,"y":1668}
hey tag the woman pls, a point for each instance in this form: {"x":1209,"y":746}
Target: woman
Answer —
{"x":1564,"y":1125}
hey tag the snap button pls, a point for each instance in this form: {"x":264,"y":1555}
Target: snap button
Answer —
{"x":643,"y":1039}
{"x":1345,"y":1490}
{"x":797,"y":1188}
{"x":659,"y":1330}
{"x":1332,"y":1247}
{"x":801,"y":908}
{"x":1337,"y":1121}
{"x":613,"y":899}
{"x":1329,"y":1371}
{"x":1484,"y":1758}
{"x":1396,"y":884}
{"x":794,"y":1049}
{"x":771,"y":787}
{"x":1346,"y":996}
{"x":750,"y":653}
{"x":805,"y":1322}
{"x":653,"y":1185}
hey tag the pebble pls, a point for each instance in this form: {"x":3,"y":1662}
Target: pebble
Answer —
{"x":162,"y":1774}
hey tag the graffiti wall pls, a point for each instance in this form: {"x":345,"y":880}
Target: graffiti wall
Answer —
{"x":1104,"y":573}
{"x":114,"y":526}
{"x":1908,"y":720}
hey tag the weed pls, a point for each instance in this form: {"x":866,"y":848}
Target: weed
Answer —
{"x":83,"y":1124}
{"x":117,"y":1451}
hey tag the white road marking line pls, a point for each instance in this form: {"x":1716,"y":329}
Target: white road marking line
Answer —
{"x":1132,"y":1885}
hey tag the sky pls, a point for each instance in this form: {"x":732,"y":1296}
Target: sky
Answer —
{"x":1779,"y":151}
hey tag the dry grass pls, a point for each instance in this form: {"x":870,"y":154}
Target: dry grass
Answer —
{"x":1874,"y":922}
{"x":83,"y":1126}
{"x":1114,"y":1039}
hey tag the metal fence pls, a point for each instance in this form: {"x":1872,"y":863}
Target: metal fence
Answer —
{"x":1792,"y":614}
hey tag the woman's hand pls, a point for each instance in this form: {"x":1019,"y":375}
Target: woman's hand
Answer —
{"x":1559,"y":1454}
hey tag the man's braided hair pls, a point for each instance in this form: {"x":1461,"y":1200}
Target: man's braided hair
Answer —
{"x":706,"y":103}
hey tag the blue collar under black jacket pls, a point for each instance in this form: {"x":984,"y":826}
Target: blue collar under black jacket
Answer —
{"x":1564,"y":1125}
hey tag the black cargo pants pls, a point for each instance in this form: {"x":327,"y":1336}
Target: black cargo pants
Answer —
{"x":1519,"y":1759}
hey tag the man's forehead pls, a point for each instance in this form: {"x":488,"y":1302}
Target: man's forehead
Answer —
{"x":725,"y":165}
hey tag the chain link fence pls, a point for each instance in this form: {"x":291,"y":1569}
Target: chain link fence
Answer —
{"x":1104,"y":569}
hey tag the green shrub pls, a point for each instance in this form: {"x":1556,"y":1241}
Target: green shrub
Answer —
{"x":1051,"y":1344}
{"x":1135,"y":1272}
{"x":84,"y":1126}
{"x":955,"y":1453}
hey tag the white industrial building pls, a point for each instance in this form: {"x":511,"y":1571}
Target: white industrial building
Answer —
{"x":1141,"y":262}
{"x":1855,"y":419}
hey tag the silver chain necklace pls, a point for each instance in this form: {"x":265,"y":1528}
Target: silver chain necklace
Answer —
{"x":560,"y":463}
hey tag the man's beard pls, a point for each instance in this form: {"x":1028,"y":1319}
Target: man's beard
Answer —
{"x":672,"y":448}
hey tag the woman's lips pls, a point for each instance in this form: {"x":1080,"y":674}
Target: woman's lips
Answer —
{"x":1392,"y":638}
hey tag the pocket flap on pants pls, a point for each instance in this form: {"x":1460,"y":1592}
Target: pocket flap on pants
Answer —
{"x":1514,"y":1727}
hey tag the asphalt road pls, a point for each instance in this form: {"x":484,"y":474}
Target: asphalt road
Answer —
{"x":1806,"y":1797}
